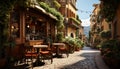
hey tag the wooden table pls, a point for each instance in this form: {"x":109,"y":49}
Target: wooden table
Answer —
{"x":57,"y":45}
{"x":38,"y":48}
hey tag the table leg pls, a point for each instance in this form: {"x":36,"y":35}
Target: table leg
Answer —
{"x":57,"y":53}
{"x":38,"y":62}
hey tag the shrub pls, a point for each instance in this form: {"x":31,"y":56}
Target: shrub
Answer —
{"x":105,"y":34}
{"x":110,"y":51}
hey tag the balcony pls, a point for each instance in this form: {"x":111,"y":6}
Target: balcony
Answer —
{"x":74,"y":22}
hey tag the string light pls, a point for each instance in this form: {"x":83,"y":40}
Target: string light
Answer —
{"x":83,"y":11}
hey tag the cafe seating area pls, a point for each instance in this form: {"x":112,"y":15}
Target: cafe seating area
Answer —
{"x":36,"y":53}
{"x":26,"y":30}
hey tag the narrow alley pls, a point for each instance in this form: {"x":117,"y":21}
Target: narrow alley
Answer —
{"x":59,"y":34}
{"x":87,"y":58}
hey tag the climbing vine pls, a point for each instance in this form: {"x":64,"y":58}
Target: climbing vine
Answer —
{"x":6,"y":7}
{"x":54,"y":12}
{"x":57,"y":4}
{"x":108,"y":9}
{"x":75,"y":20}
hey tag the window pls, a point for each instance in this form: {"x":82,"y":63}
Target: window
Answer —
{"x":72,"y":35}
{"x":15,"y":24}
{"x":35,"y":29}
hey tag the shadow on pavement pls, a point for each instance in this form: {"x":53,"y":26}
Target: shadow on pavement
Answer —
{"x":87,"y":63}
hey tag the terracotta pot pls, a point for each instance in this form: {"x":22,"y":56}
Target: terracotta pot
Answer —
{"x":77,"y":49}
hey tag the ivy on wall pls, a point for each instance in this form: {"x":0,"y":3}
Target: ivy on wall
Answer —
{"x":57,"y":4}
{"x":105,"y":34}
{"x":6,"y":7}
{"x":108,"y":9}
{"x":57,"y":14}
{"x":75,"y":20}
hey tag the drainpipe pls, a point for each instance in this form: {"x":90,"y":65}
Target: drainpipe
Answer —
{"x":66,"y":27}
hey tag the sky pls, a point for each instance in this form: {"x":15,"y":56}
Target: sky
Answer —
{"x":85,"y":8}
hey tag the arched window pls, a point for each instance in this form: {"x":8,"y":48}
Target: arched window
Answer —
{"x":72,"y":35}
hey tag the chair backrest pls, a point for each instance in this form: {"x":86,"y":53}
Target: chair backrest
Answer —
{"x":29,"y":49}
{"x":46,"y":48}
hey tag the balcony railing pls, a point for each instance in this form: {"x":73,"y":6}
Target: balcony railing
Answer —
{"x":74,"y":22}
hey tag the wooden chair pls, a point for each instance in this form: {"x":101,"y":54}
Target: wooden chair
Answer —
{"x":64,"y":49}
{"x":46,"y":53}
{"x":30,"y":54}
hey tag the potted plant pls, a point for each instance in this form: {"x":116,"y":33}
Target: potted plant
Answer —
{"x":77,"y":44}
{"x":71,"y":42}
{"x":59,"y":37}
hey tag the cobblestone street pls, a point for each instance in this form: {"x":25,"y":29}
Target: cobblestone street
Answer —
{"x":59,"y":34}
{"x":84,"y":59}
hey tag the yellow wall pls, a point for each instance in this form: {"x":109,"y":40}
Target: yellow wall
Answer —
{"x":71,"y":30}
{"x":72,"y":9}
{"x":81,"y":30}
{"x":97,"y":9}
{"x":94,"y":23}
{"x":105,"y":25}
